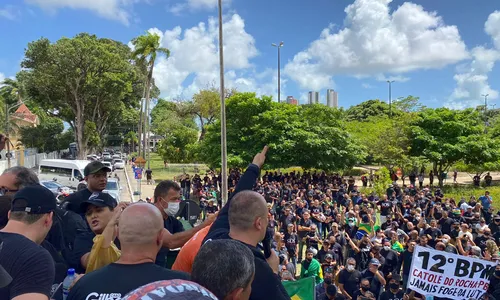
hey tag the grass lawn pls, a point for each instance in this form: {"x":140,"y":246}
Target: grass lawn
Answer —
{"x":172,"y":170}
{"x":457,"y":192}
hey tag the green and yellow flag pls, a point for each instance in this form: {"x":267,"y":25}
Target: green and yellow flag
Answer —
{"x":303,"y":289}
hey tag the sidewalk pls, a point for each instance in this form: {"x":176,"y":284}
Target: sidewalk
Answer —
{"x":147,"y":190}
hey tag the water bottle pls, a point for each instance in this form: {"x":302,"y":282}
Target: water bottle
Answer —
{"x":429,"y":297}
{"x":67,"y":282}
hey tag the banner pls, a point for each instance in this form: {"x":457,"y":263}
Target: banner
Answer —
{"x":303,"y":289}
{"x":447,"y":275}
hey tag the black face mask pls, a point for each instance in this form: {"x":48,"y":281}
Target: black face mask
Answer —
{"x":328,"y":281}
{"x":365,"y":288}
{"x":497,"y":273}
{"x":394,"y":286}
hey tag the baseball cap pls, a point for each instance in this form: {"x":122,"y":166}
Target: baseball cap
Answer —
{"x":94,"y":167}
{"x":34,"y":199}
{"x":171,"y":289}
{"x":99,"y":199}
{"x":374,"y":261}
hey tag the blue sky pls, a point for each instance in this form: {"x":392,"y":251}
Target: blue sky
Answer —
{"x":441,"y":51}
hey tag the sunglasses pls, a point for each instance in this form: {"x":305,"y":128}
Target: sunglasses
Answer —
{"x":4,"y":191}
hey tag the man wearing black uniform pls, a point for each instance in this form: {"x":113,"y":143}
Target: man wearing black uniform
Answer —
{"x":141,"y":235}
{"x":30,"y":220}
{"x":244,"y":218}
{"x":386,"y":208}
{"x":167,"y":198}
{"x":96,"y":175}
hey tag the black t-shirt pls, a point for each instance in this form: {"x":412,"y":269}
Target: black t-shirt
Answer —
{"x":388,"y":295}
{"x":173,"y":226}
{"x":350,"y":280}
{"x":83,"y":244}
{"x":385,"y":207}
{"x":446,"y":225}
{"x":291,"y":242}
{"x":125,"y":278}
{"x":30,"y":266}
{"x":61,"y":269}
{"x":375,"y":284}
{"x":304,"y":223}
{"x":76,"y":199}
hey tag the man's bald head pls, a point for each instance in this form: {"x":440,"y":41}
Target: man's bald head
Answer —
{"x":139,"y":224}
{"x":244,"y":208}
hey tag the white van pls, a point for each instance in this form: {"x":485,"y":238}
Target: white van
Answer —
{"x":66,"y":172}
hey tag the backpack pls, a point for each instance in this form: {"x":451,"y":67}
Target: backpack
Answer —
{"x":64,"y":230}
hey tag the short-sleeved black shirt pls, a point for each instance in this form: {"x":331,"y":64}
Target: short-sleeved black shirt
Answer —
{"x":76,"y":199}
{"x":116,"y":280}
{"x":30,"y":266}
{"x":350,"y":280}
{"x":173,"y":226}
{"x":83,"y":244}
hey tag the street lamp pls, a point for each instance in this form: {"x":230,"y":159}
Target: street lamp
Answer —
{"x":390,"y":97}
{"x":7,"y":129}
{"x":281,"y":44}
{"x":222,"y":112}
{"x":485,"y":101}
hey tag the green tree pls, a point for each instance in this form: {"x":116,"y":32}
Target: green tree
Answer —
{"x":146,"y":48}
{"x":367,"y":109}
{"x":81,"y":79}
{"x":408,"y":104}
{"x":131,"y":140}
{"x":307,"y":136}
{"x":206,"y":107}
{"x":44,"y":136}
{"x":445,"y":136}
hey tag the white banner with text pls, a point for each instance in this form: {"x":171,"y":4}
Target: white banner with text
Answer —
{"x":447,"y":275}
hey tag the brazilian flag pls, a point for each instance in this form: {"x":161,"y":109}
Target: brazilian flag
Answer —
{"x":303,"y":289}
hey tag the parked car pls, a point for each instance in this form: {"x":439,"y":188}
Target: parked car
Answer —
{"x":60,"y":191}
{"x":119,"y":164}
{"x":113,"y":188}
{"x":108,"y":164}
{"x":66,"y":172}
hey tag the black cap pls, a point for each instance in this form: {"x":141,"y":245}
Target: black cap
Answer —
{"x":94,"y":167}
{"x":99,"y":199}
{"x":34,"y":199}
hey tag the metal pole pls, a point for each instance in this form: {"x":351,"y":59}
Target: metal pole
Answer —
{"x":279,"y":74}
{"x":7,"y":134}
{"x":222,"y":111}
{"x":390,"y":97}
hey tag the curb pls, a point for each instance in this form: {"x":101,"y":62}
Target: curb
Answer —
{"x":129,"y":186}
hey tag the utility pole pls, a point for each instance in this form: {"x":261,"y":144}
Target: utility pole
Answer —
{"x":222,"y":111}
{"x":390,"y":97}
{"x":281,"y":44}
{"x":485,"y":101}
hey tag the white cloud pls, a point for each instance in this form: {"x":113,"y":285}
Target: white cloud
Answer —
{"x":397,"y":78}
{"x":375,"y":41}
{"x":196,"y":5}
{"x":194,"y":54}
{"x":118,"y":10}
{"x":492,"y":27}
{"x":367,"y":86}
{"x":472,"y":78}
{"x":9,"y":12}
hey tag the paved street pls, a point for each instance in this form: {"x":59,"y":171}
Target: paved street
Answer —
{"x":146,"y":190}
{"x":124,"y":194}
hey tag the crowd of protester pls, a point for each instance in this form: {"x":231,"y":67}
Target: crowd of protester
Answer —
{"x":273,"y":228}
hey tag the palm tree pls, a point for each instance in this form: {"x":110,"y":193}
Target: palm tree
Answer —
{"x":147,"y":47}
{"x":131,"y":139}
{"x":11,"y":93}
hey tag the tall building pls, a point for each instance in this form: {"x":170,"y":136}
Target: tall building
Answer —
{"x":292,"y":100}
{"x":332,"y":98}
{"x":313,"y":98}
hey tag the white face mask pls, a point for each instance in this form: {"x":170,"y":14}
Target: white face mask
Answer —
{"x":172,"y":209}
{"x":445,"y":241}
{"x":387,"y":248}
{"x":350,"y":268}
